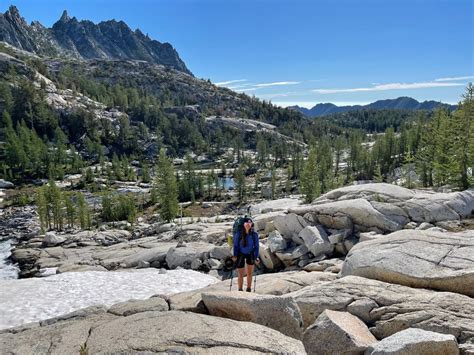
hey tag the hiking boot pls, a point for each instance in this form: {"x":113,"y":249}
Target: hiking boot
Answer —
{"x":249,"y":289}
{"x":240,"y":289}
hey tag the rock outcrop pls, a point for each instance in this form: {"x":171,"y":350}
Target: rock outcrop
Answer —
{"x":337,"y":333}
{"x":147,"y":331}
{"x":276,"y":312}
{"x":417,"y":258}
{"x":86,"y":40}
{"x":385,"y":207}
{"x":389,"y":308}
{"x":415,"y":342}
{"x":187,"y":332}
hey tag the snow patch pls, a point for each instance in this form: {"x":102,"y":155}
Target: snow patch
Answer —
{"x":31,"y":300}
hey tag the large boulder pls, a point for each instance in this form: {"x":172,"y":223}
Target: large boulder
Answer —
{"x":184,"y":332}
{"x":269,"y":260}
{"x":51,"y":240}
{"x":267,"y":284}
{"x":416,"y":258}
{"x":276,"y":312}
{"x":184,"y":256}
{"x":337,"y":333}
{"x":220,"y":252}
{"x":390,"y":308}
{"x":276,"y":242}
{"x":263,"y":220}
{"x":415,"y":342}
{"x":437,"y":207}
{"x":316,"y":240}
{"x":290,"y":225}
{"x":291,"y":256}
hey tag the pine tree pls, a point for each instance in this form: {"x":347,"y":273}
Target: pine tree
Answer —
{"x":407,"y":169}
{"x":70,"y":210}
{"x":166,"y":187}
{"x":42,"y":208}
{"x":108,"y":213}
{"x":190,"y":180}
{"x":425,"y":154}
{"x":145,"y":174}
{"x":56,"y":204}
{"x":273,"y":184}
{"x":443,"y":159}
{"x":309,"y":183}
{"x":83,"y":213}
{"x":239,"y":178}
{"x":257,"y":181}
{"x":89,"y":176}
{"x":378,"y":174}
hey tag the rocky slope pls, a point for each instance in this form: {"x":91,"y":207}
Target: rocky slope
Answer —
{"x":85,"y":40}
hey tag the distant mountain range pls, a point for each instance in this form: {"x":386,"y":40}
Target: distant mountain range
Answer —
{"x":85,"y":40}
{"x":401,"y":103}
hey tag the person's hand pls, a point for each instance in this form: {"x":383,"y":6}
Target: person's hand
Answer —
{"x":234,"y":258}
{"x":257,"y":261}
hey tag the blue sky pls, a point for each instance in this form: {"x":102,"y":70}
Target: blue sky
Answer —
{"x":300,"y":51}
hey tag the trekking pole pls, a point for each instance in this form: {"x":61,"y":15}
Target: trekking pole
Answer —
{"x":231,"y":277}
{"x":255,"y":280}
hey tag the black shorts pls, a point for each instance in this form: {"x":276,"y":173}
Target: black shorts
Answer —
{"x":245,"y":258}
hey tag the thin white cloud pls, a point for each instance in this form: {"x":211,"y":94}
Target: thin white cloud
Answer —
{"x":456,"y":78}
{"x":243,"y":90}
{"x":391,"y":86}
{"x":274,"y":95}
{"x":238,"y":87}
{"x":277,"y":83}
{"x":223,"y":83}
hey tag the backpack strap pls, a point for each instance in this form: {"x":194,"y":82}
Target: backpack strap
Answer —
{"x":255,"y":241}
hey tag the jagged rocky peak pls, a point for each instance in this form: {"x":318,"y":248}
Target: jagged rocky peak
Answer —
{"x":13,"y":13}
{"x":13,"y":16}
{"x":86,"y":40}
{"x":64,"y":17}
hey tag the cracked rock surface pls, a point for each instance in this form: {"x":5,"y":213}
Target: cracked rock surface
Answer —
{"x":417,"y":258}
{"x":388,"y":308}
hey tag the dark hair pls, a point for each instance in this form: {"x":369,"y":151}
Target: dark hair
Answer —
{"x":243,"y":234}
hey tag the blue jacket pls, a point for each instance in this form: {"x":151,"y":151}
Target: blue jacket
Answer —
{"x":252,"y":244}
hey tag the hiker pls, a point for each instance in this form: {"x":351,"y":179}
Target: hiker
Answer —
{"x":246,"y":252}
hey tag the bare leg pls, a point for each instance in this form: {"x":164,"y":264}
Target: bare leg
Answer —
{"x":240,"y":273}
{"x":249,"y":275}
